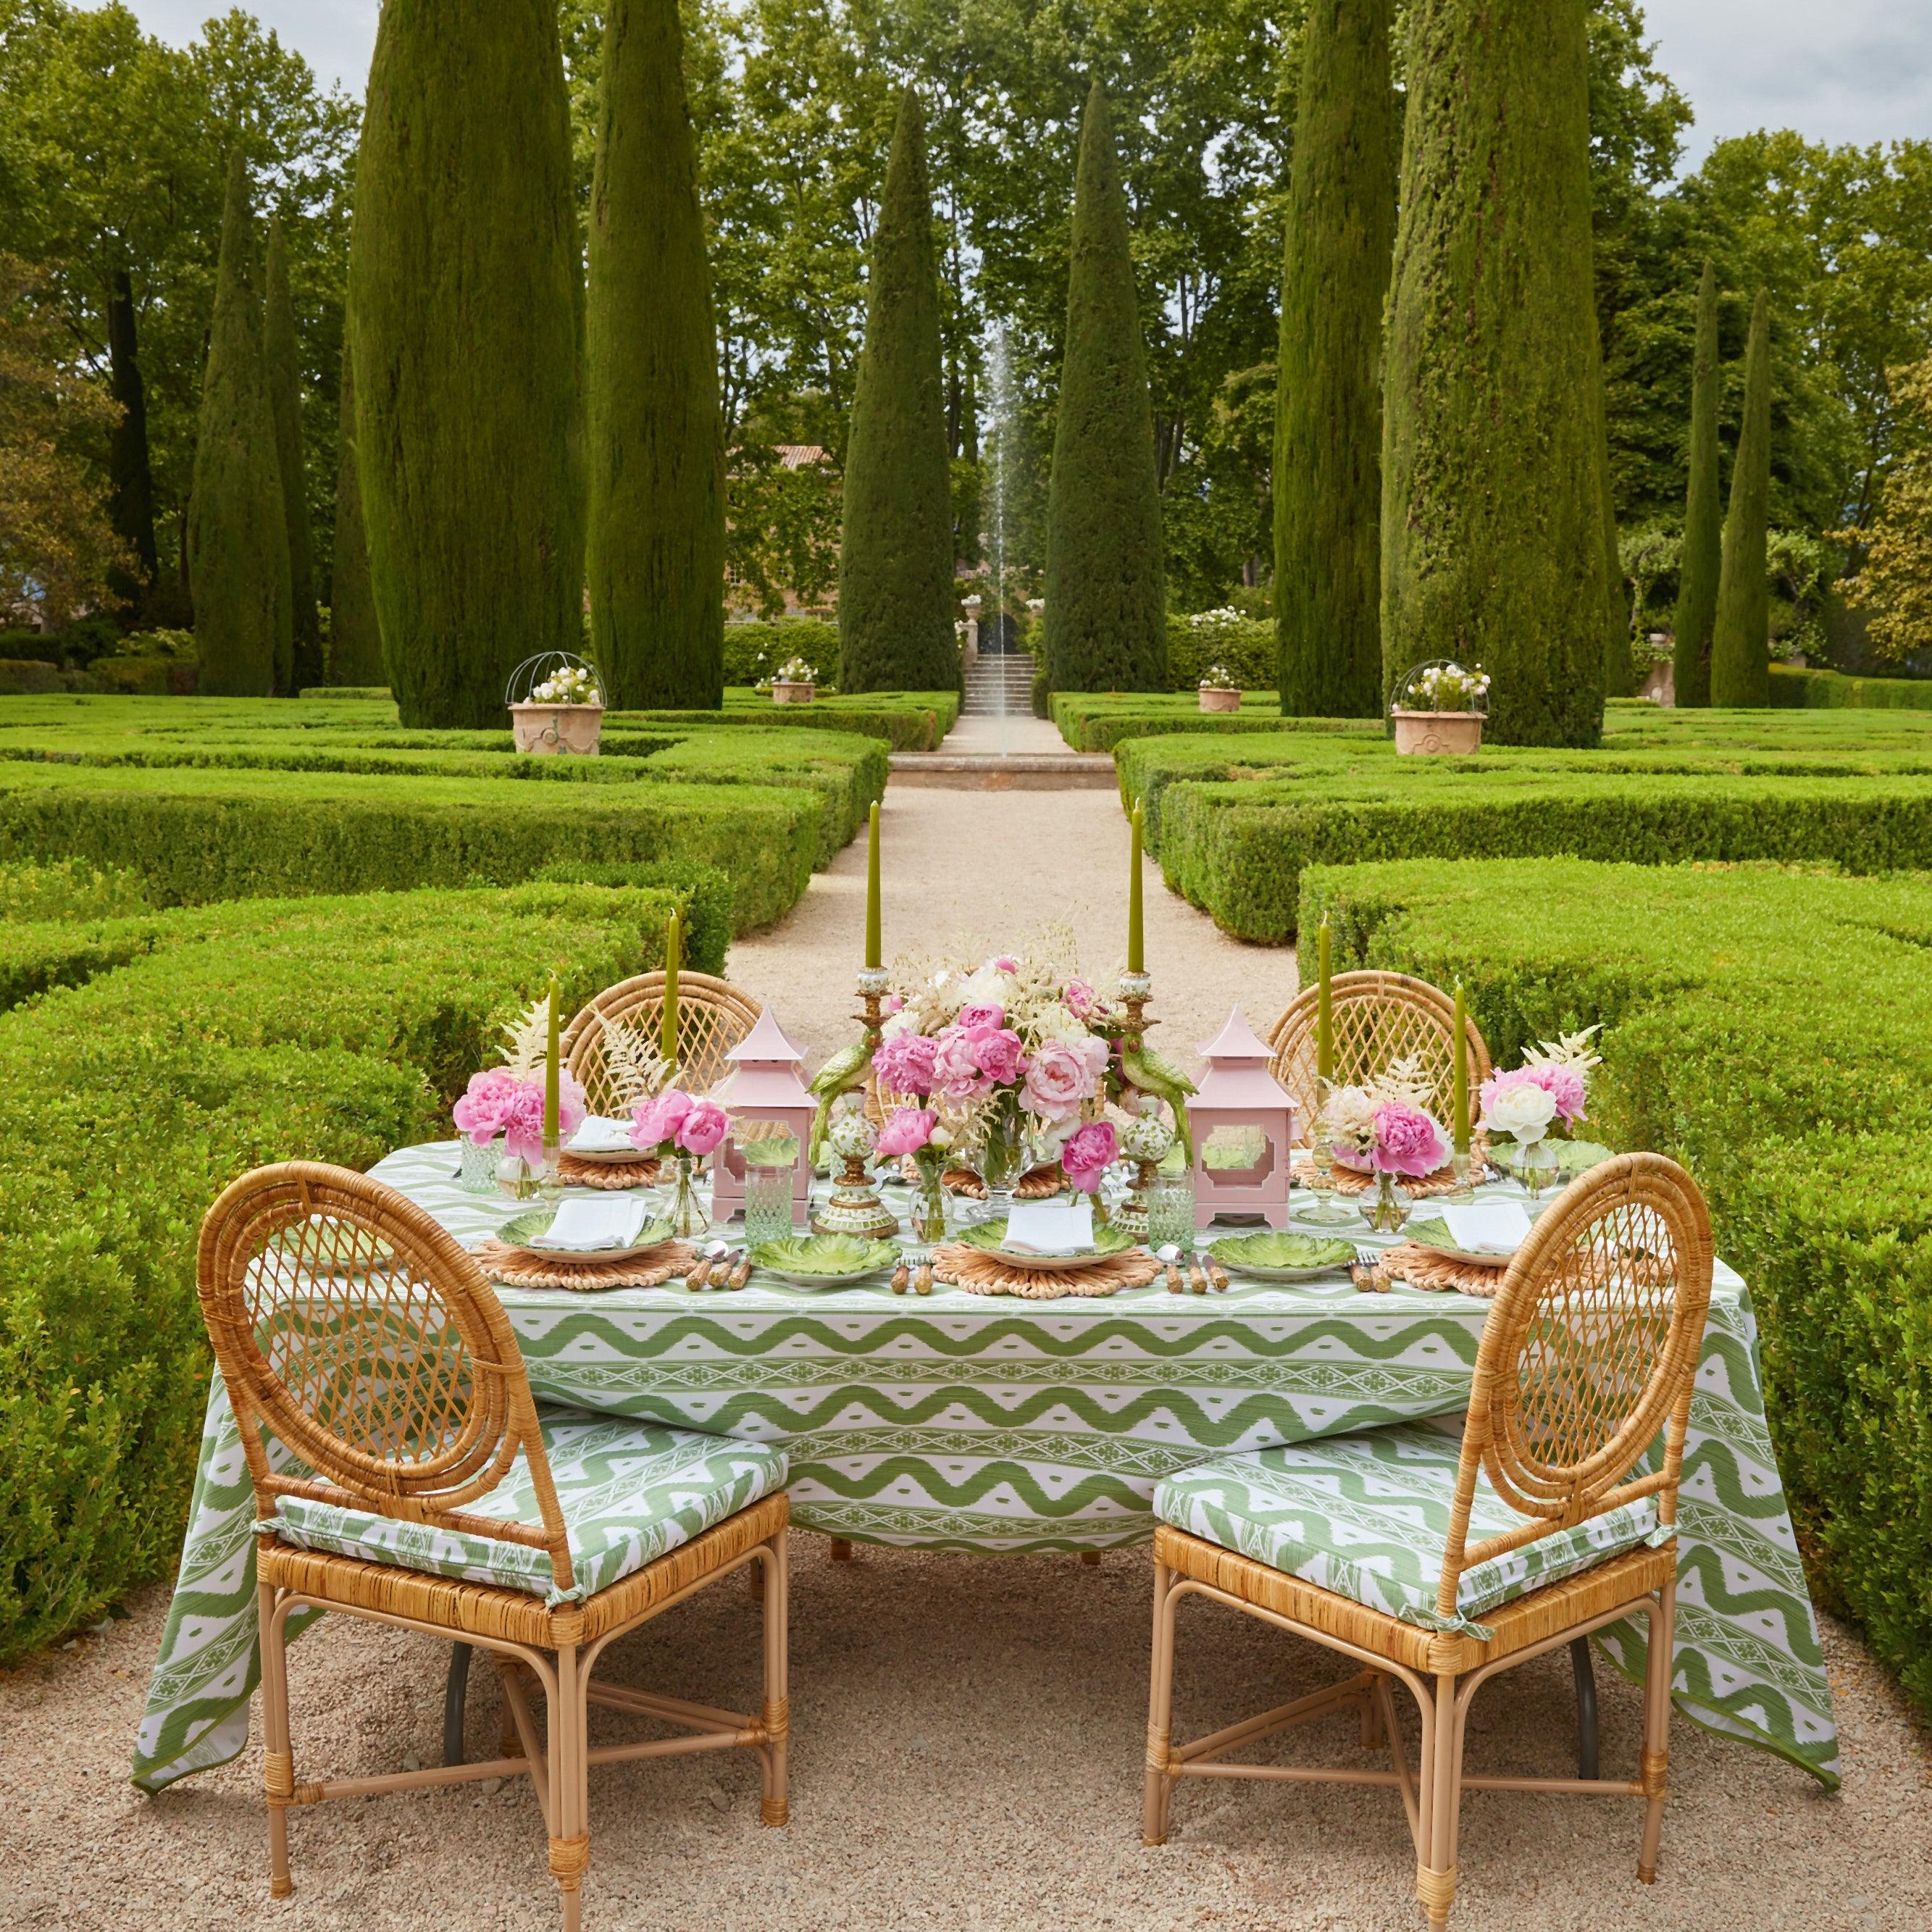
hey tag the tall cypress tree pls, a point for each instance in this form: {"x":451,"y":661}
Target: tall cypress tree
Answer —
{"x":465,"y":313}
{"x":355,"y":642}
{"x":131,"y":483}
{"x":1741,"y":638}
{"x":237,"y":534}
{"x":282,"y":358}
{"x":1493,"y":525}
{"x":1703,"y":514}
{"x":895,"y":590}
{"x":1106,"y":607}
{"x":1328,"y":410}
{"x":655,"y":553}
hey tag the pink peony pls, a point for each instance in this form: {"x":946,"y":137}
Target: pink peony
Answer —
{"x":1006,"y":963}
{"x":997,"y":1050}
{"x":703,"y":1127}
{"x":974,"y":1017}
{"x":659,"y":1120}
{"x":1059,"y":1077}
{"x":893,"y":1002}
{"x":905,"y":1063}
{"x":1565,"y":1085}
{"x":907,"y":1131}
{"x":1407,"y":1142}
{"x":1077,"y":998}
{"x":486,"y":1104}
{"x":956,"y":1074}
{"x":1089,"y":1152}
{"x":495,"y":1102}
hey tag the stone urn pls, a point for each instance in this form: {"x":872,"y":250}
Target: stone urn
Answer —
{"x":574,"y":728}
{"x":1214,"y":699}
{"x":1660,"y":684}
{"x":1431,"y":733}
{"x":787,"y":691}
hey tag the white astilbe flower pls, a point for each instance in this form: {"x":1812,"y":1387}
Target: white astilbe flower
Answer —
{"x":1574,"y":1050}
{"x":1349,"y":1114}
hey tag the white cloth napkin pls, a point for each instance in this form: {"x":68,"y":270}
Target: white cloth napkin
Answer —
{"x":1488,"y":1227}
{"x":1050,"y":1227}
{"x":599,"y":1134}
{"x":602,"y":1221}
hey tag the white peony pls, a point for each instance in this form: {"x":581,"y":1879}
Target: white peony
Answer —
{"x":1523,"y":1112}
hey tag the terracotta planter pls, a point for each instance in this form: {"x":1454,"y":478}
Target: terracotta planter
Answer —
{"x":1212,"y":700}
{"x":543,"y":728}
{"x":784,"y":692}
{"x":1433,"y":733}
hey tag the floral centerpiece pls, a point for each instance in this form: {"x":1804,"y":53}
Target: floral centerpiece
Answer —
{"x":506,"y":1101}
{"x":1220,"y":689}
{"x":574,"y":684}
{"x":1382,"y":1128}
{"x":1542,"y":1099}
{"x":794,"y":682}
{"x":675,"y":1126}
{"x":1440,"y":707}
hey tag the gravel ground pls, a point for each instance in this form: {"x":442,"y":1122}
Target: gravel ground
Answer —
{"x":966,"y":1731}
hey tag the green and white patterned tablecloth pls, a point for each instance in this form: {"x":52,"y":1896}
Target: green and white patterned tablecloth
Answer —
{"x":964,"y":1421}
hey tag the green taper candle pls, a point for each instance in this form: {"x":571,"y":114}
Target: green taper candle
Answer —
{"x":1462,"y":1072}
{"x":875,"y":951}
{"x":1136,"y":936}
{"x":1324,"y":1008}
{"x":552,"y":1066}
{"x":673,"y":959}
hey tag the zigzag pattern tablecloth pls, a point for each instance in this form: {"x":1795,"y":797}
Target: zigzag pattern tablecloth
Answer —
{"x":959,"y":1421}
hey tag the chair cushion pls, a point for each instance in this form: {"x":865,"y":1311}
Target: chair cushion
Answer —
{"x":1367,"y":1516}
{"x":630,"y":1491}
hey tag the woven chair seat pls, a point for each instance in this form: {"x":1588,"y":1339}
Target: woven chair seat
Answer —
{"x":1367,"y":1517}
{"x":629,"y":1493}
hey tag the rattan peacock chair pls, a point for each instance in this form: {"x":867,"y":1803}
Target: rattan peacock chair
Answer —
{"x":1378,"y":1018}
{"x":713,"y":1016}
{"x":423,"y":1486}
{"x":1554,"y":1516}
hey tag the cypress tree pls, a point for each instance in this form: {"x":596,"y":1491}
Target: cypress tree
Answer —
{"x":1493,"y":525}
{"x":656,"y":553}
{"x":281,"y":354}
{"x":130,"y":485}
{"x":1328,"y":412}
{"x":1106,"y":611}
{"x":238,"y":536}
{"x":1703,"y":514}
{"x":895,"y":591}
{"x":354,"y":643}
{"x":1741,"y":638}
{"x":465,"y":311}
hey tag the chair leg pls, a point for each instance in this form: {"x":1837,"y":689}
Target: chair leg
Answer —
{"x":1588,"y":1733}
{"x":278,"y":1766}
{"x":775,"y":1803}
{"x":455,"y":1703}
{"x":1091,"y":1558}
{"x":841,"y":1549}
{"x":1159,"y":1787}
{"x":1439,"y":1802}
{"x":1657,"y":1725}
{"x":569,"y":1718}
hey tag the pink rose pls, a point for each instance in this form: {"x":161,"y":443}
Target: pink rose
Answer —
{"x":956,"y":1074}
{"x":1407,"y":1142}
{"x":1089,"y":1152}
{"x":974,"y":1017}
{"x":1077,"y":998}
{"x":703,"y":1127}
{"x":657,"y":1120}
{"x":907,"y":1131}
{"x":904,"y":1063}
{"x":1058,"y":1079}
{"x":997,"y":1050}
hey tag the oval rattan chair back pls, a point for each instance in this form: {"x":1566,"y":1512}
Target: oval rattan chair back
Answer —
{"x":1378,"y":1018}
{"x":1589,"y":1351}
{"x":359,"y":1333}
{"x":713,"y":1016}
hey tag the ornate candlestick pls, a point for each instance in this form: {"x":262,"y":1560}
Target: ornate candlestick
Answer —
{"x":1147,"y":1140}
{"x":855,"y":1207}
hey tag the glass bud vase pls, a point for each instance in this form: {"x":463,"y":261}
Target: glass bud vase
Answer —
{"x":1536,"y":1169}
{"x":1390,"y":1211}
{"x":687,"y":1215}
{"x":926,"y":1222}
{"x":998,"y":1156}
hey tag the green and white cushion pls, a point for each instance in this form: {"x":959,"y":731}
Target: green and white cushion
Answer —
{"x":1367,"y":1516}
{"x":629,"y":1492}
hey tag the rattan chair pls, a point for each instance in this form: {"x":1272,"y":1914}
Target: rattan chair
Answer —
{"x":1554,"y":1517}
{"x":713,"y":1016}
{"x":1378,"y":1018}
{"x":353,"y":1331}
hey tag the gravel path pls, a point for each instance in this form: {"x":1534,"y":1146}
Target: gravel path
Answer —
{"x":966,"y":1731}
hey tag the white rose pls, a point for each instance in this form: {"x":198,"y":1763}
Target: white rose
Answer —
{"x":1523,"y":1112}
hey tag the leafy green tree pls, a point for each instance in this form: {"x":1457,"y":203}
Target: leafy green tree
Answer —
{"x":1741,"y":641}
{"x":1897,"y":579}
{"x":895,"y":592}
{"x":355,"y":640}
{"x":1106,"y":620}
{"x":238,"y":528}
{"x":465,"y":318}
{"x":1703,"y":514}
{"x":1492,"y":515}
{"x":1327,"y":451}
{"x":655,"y":552}
{"x":280,"y":351}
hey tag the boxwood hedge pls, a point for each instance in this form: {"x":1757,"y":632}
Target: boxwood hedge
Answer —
{"x":1774,"y":1032}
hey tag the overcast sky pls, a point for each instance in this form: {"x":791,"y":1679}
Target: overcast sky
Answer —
{"x":1835,"y":70}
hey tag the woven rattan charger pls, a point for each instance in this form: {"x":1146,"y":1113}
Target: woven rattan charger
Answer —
{"x":614,"y":1175}
{"x":1424,"y":1268}
{"x":520,"y":1267}
{"x":979,"y":1273}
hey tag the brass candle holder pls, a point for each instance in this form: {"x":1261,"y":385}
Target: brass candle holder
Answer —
{"x":1147,"y":1140}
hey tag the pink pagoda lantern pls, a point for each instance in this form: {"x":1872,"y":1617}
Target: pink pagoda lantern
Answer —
{"x":765,"y":1098}
{"x":1241,"y":1107}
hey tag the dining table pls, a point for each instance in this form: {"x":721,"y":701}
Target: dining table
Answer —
{"x":959,"y":1420}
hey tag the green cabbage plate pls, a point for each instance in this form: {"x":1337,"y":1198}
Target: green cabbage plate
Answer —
{"x":825,"y":1257}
